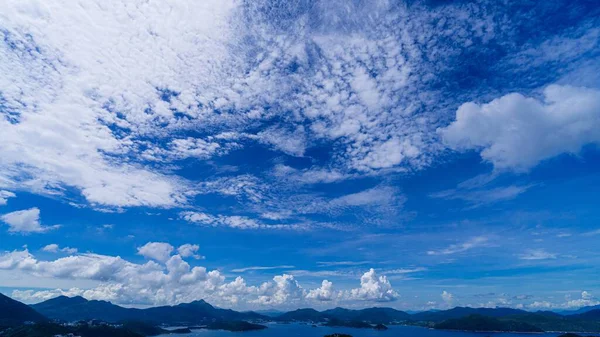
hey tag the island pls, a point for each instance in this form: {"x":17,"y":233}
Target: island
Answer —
{"x":380,"y":327}
{"x":235,"y":326}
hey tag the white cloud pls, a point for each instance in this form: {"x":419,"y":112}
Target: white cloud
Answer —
{"x":537,"y":254}
{"x":341,"y":263}
{"x":405,"y":271}
{"x":68,"y":250}
{"x":51,"y":248}
{"x":26,"y":222}
{"x":76,"y":109}
{"x":4,"y":196}
{"x":54,"y":248}
{"x":283,"y":289}
{"x":587,"y":299}
{"x":374,"y":288}
{"x":447,"y":297}
{"x":234,"y":221}
{"x":174,"y":281}
{"x":311,"y":175}
{"x":324,"y":293}
{"x":122,"y":281}
{"x":475,"y":242}
{"x":592,"y":233}
{"x":189,"y":250}
{"x":540,"y":305}
{"x":29,"y":296}
{"x":243,"y":270}
{"x":517,"y":132}
{"x":159,"y":251}
{"x":480,"y":197}
{"x":380,"y":195}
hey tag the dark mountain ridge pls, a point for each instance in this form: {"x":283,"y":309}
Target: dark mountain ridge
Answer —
{"x":459,"y":312}
{"x":369,"y":315}
{"x":77,"y":308}
{"x":15,"y":313}
{"x":202,"y":313}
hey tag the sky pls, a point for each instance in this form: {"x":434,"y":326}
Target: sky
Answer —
{"x":272,"y":155}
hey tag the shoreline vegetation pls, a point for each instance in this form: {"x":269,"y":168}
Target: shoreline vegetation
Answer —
{"x":80,"y":317}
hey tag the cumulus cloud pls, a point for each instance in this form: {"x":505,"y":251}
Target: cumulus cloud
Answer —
{"x":189,"y":250}
{"x":374,"y":288}
{"x":4,"y":196}
{"x":159,"y":251}
{"x":324,"y":293}
{"x":29,"y":296}
{"x":120,"y":280}
{"x":586,"y":299}
{"x":517,"y":132}
{"x":173,"y":280}
{"x":54,"y":248}
{"x":447,"y":297}
{"x":283,"y":289}
{"x":26,"y":222}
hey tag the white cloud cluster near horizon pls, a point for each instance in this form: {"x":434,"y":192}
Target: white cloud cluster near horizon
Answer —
{"x":168,"y":279}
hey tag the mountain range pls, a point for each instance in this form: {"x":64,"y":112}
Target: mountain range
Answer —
{"x":78,"y":308}
{"x":200,"y":312}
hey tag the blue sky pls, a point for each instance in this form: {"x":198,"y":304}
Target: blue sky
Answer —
{"x":285,"y":154}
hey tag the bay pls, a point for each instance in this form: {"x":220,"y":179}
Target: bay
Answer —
{"x":305,"y":330}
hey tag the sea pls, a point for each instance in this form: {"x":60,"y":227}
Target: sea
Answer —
{"x":306,"y":330}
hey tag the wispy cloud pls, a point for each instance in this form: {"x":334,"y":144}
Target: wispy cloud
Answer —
{"x":404,"y":271}
{"x":592,"y":233}
{"x":341,"y":263}
{"x":537,"y":254}
{"x":475,"y":242}
{"x":481,"y":197}
{"x":255,"y":268}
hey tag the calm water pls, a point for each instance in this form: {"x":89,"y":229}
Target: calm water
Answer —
{"x":301,"y":330}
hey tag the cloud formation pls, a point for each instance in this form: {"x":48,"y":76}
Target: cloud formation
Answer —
{"x":516,"y":132}
{"x":189,"y":250}
{"x":324,"y":293}
{"x":475,"y":242}
{"x":26,"y":222}
{"x":170,"y":280}
{"x":54,"y":248}
{"x":159,"y":251}
{"x":4,"y":196}
{"x":374,"y":288}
